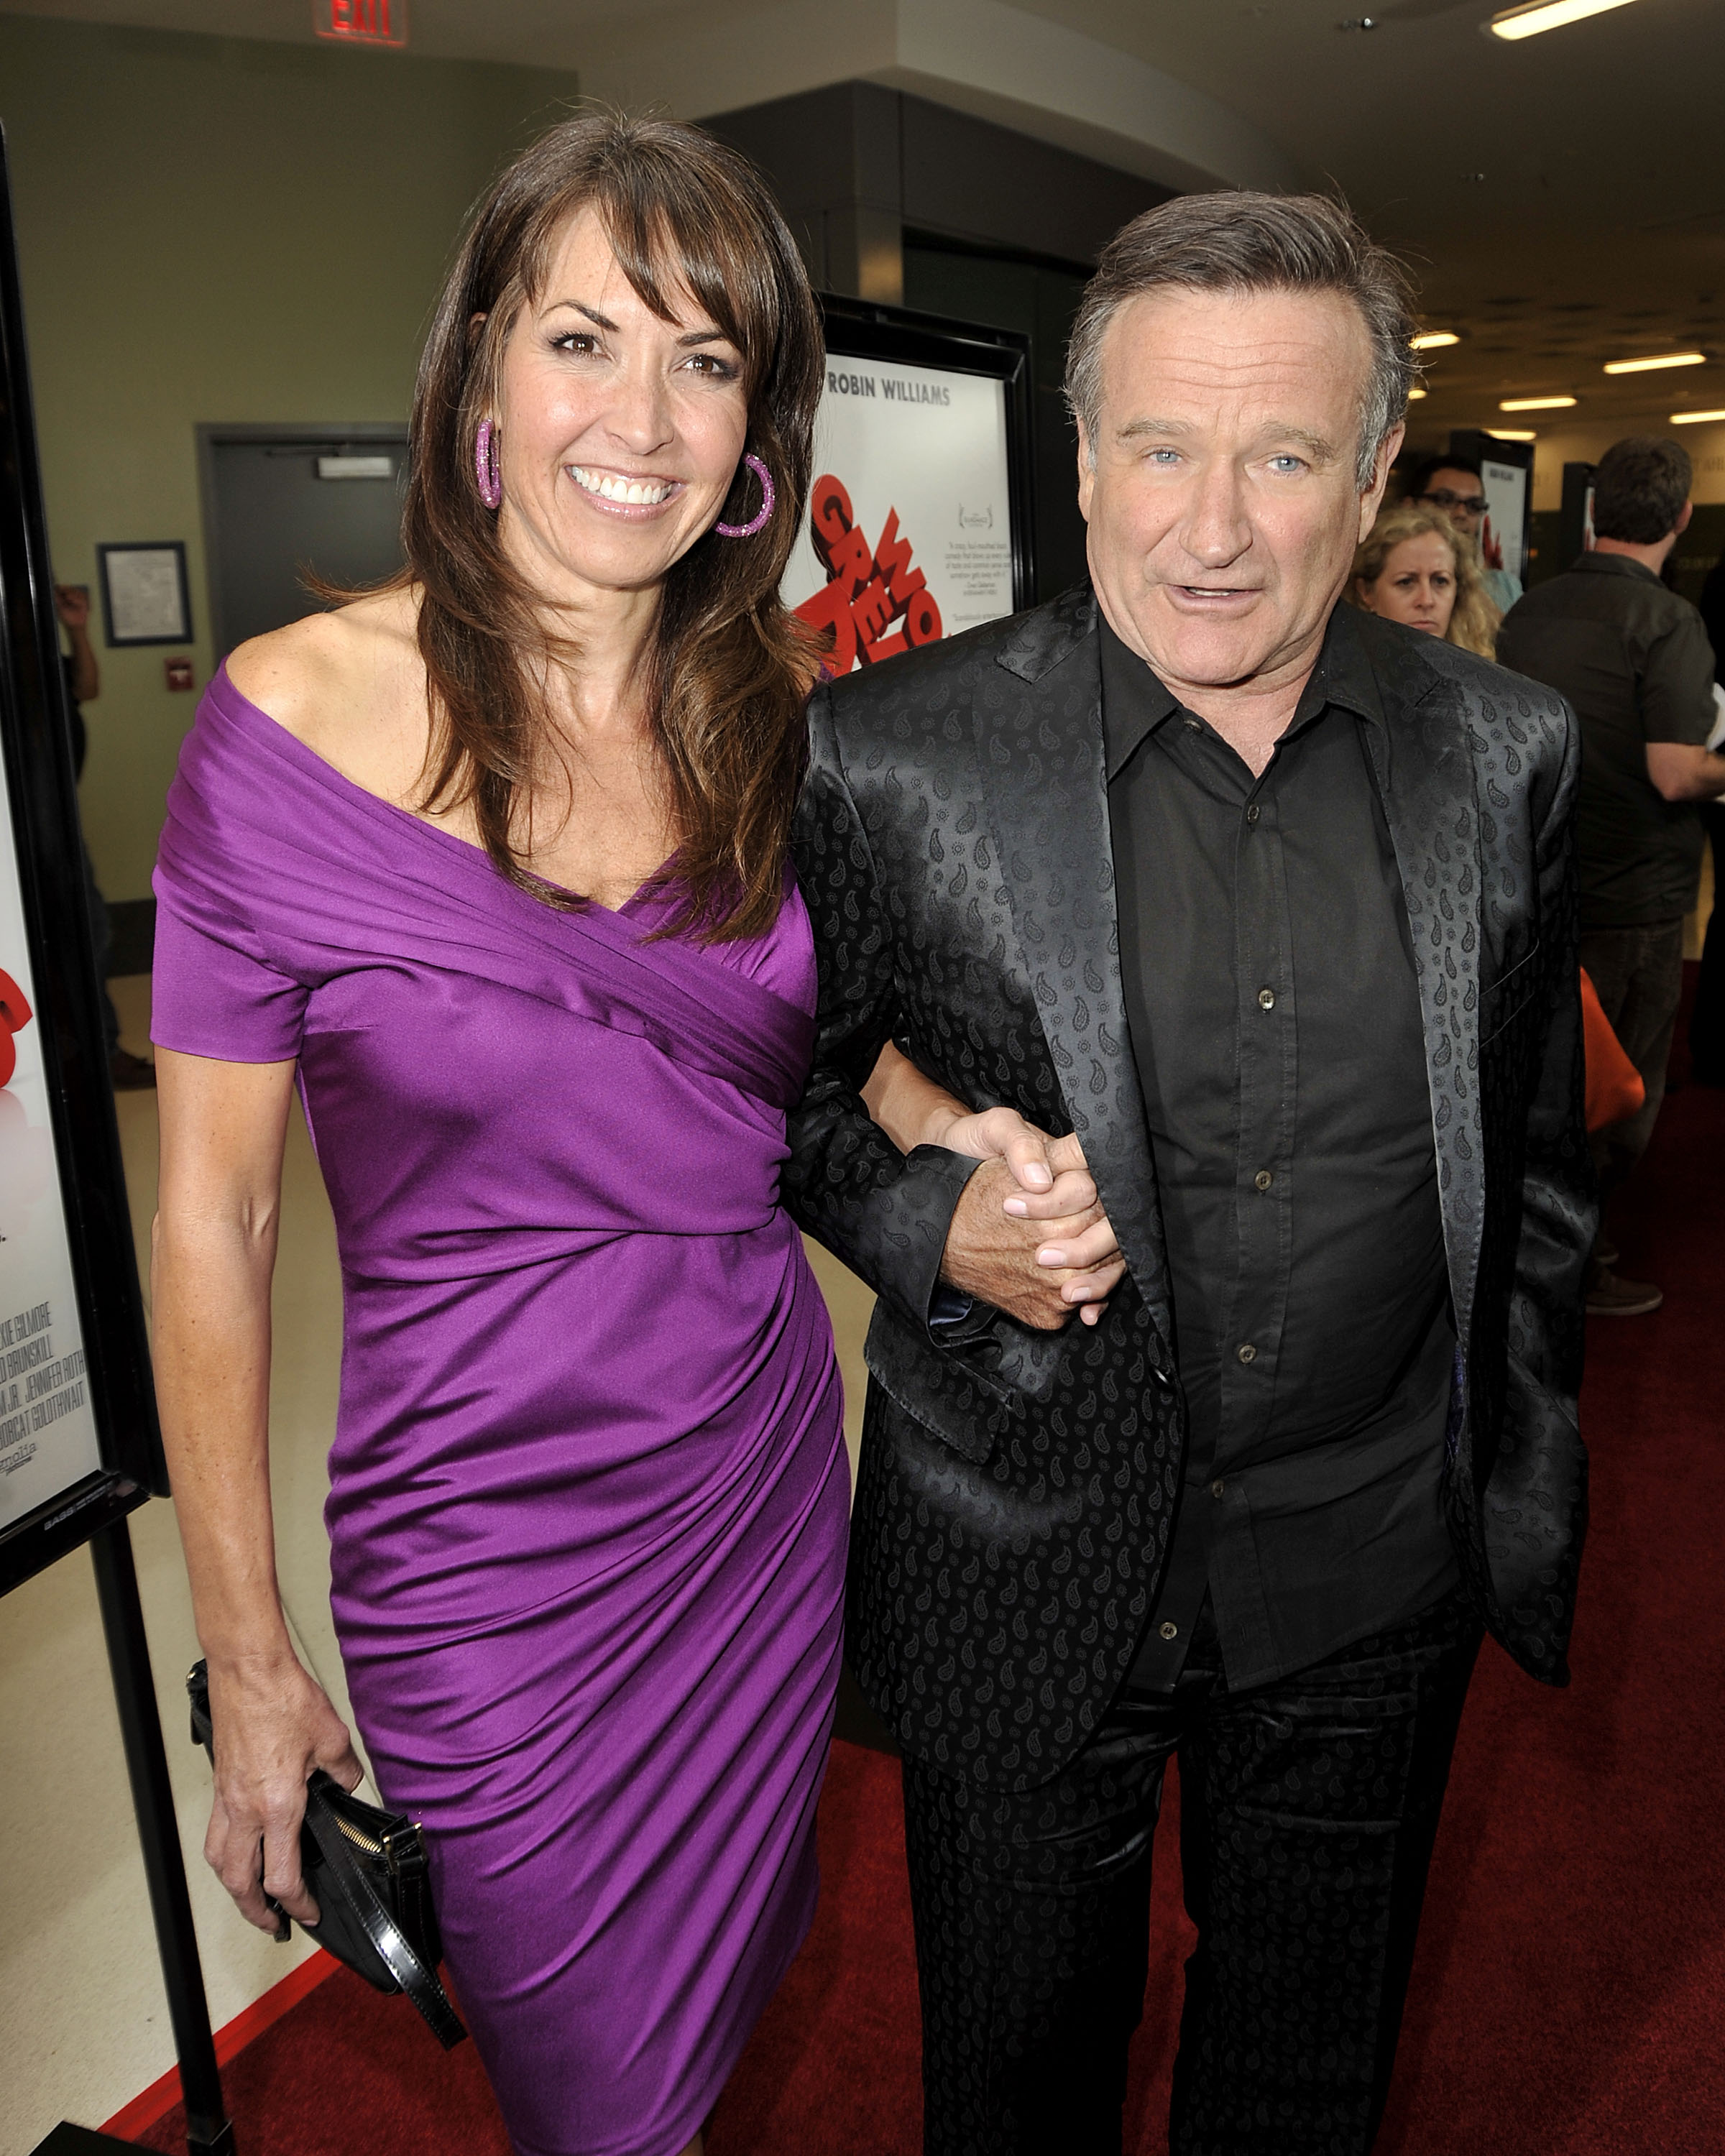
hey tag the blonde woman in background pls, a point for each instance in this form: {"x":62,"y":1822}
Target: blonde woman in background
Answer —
{"x":1409,"y":569}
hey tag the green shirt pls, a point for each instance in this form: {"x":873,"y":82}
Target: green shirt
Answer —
{"x":1634,"y":663}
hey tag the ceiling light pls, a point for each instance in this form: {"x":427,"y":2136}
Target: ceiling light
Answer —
{"x":1413,"y":393}
{"x":1538,"y":15}
{"x":1432,"y":339}
{"x":1660,"y":359}
{"x":1535,"y":403}
{"x":1692,"y":418}
{"x":1511,"y":433}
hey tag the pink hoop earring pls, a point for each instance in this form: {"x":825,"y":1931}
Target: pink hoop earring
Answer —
{"x":758,"y":522}
{"x":484,"y":465}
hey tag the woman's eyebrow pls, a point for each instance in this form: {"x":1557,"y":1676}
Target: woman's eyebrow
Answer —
{"x":711,"y":334}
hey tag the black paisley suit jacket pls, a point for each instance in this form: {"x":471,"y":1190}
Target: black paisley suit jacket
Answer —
{"x":1016,"y":1488}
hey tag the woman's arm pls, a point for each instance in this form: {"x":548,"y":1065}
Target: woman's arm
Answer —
{"x":212,"y":1252}
{"x":1049,"y":1178}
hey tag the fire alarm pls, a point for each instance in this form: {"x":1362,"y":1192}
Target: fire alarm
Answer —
{"x":178,"y":672}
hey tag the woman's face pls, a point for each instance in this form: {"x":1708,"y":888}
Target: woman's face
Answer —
{"x":619,"y":435}
{"x":1416,"y":584}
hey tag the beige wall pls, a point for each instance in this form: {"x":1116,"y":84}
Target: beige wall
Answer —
{"x":1579,"y":442}
{"x":216,"y":229}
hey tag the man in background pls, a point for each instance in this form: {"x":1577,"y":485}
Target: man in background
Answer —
{"x":1453,"y":486}
{"x":1707,"y":1020}
{"x":83,"y":683}
{"x":1633,"y":661}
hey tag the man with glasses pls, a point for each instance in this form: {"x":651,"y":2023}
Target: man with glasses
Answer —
{"x":1453,"y":485}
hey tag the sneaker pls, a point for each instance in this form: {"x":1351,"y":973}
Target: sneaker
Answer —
{"x":130,"y":1073}
{"x":1605,"y":1254}
{"x":1611,"y":1297}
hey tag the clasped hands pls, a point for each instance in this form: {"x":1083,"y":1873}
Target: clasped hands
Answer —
{"x":1029,"y":1234}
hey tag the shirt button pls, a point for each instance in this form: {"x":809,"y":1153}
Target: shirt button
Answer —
{"x":1194,"y":726}
{"x":1218,"y":1486}
{"x":1168,"y":1630}
{"x":1266,"y":999}
{"x":1248,"y":1353}
{"x":1252,"y":813}
{"x":1262,"y":1179}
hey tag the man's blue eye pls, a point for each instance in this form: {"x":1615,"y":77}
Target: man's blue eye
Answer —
{"x":1289,"y":462}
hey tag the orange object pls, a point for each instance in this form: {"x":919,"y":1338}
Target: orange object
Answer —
{"x":1615,"y":1090}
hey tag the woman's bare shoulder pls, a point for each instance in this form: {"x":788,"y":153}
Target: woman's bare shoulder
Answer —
{"x":334,"y":679}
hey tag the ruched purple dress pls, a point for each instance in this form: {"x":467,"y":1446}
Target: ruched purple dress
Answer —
{"x":587,"y":1502}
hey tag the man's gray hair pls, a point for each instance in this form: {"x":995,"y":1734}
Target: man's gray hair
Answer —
{"x":1246,"y":243}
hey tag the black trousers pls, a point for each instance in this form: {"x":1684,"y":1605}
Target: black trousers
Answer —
{"x":1308,"y":1809}
{"x":1637,"y":975}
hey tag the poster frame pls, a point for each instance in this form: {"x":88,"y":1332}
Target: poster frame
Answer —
{"x":872,"y":330}
{"x":36,"y":747}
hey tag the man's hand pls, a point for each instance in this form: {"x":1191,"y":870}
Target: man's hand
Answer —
{"x":1029,"y":1235}
{"x":71,"y":602}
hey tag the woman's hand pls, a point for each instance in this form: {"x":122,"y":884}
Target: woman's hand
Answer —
{"x":274,"y":1724}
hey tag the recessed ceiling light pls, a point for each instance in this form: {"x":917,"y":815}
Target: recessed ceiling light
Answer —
{"x":1415,"y":394}
{"x":1660,"y":359}
{"x":1512,"y":433}
{"x":1432,"y":339}
{"x":1693,"y":418}
{"x":1534,"y":403}
{"x":1538,"y":15}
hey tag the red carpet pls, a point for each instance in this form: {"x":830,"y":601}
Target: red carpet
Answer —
{"x":1569,"y":1996}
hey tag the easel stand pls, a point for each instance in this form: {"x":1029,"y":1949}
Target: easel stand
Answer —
{"x":208,"y":2130}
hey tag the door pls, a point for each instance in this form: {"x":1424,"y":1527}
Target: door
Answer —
{"x":281,"y":502}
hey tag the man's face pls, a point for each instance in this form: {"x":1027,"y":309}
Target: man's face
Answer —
{"x":1222,"y":501}
{"x":1459,"y":495}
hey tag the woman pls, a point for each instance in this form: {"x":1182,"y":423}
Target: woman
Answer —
{"x":1409,"y":568}
{"x":588,"y":1500}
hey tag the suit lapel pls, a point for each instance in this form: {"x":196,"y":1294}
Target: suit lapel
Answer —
{"x":1039,"y":722}
{"x":1427,"y":784}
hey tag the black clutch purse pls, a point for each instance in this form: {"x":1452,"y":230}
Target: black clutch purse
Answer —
{"x":366,"y":1871}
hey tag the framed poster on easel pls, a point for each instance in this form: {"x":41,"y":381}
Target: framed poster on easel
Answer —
{"x":920,"y":517}
{"x":79,"y":1447}
{"x":1507,"y":481}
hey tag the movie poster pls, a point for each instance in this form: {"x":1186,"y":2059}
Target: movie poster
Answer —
{"x":909,"y":535}
{"x":1503,"y":535}
{"x":48,"y":1432}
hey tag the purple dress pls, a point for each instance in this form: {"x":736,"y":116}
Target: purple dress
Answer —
{"x":588,"y":1499}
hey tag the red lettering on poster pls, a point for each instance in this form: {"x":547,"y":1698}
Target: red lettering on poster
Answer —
{"x":868,"y":588}
{"x":362,"y":22}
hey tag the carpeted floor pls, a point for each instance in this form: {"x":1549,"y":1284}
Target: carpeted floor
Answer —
{"x":1569,"y":1995}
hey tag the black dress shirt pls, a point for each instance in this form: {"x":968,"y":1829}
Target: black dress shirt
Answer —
{"x":1634,"y":662}
{"x":1276,"y":1030}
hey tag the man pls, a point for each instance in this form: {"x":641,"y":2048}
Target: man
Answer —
{"x":1634,"y":662}
{"x":1197,"y":867}
{"x":1456,"y":486}
{"x":1706,"y":1018}
{"x":130,"y":1073}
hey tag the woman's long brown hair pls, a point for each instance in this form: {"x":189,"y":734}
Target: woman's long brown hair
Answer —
{"x":727,"y":667}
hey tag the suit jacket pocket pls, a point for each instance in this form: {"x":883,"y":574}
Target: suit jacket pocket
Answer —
{"x":949,"y":1390}
{"x":1507,"y":995}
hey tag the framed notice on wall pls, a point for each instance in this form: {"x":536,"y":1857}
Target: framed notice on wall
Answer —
{"x":919,"y":522}
{"x":78,"y":1441}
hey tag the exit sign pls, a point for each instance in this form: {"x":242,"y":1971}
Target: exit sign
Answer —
{"x":362,"y":22}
